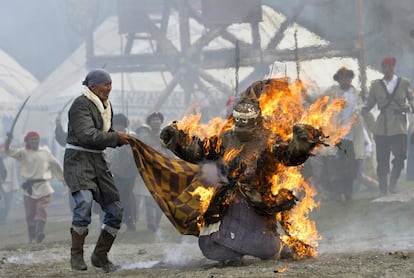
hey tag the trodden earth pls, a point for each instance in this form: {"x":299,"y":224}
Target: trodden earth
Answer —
{"x":367,"y":237}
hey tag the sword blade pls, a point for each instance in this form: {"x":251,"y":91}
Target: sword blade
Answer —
{"x":10,"y":133}
{"x":64,"y":106}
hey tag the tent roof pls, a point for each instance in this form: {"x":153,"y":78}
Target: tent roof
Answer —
{"x":16,"y":84}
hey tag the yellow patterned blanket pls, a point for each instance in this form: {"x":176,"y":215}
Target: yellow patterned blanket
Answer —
{"x":170,"y":182}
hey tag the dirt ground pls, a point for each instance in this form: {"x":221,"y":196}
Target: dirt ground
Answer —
{"x":367,"y":237}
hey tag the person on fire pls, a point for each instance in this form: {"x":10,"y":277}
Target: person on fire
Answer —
{"x":241,"y":217}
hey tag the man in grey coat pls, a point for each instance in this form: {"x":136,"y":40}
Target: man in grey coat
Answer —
{"x":86,"y":171}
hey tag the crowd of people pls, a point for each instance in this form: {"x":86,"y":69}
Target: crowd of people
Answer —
{"x":374,"y":152}
{"x":99,"y":168}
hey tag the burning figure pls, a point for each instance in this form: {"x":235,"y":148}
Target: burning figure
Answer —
{"x":242,"y":215}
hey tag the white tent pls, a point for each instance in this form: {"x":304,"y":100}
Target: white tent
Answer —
{"x":16,"y":83}
{"x":135,"y":93}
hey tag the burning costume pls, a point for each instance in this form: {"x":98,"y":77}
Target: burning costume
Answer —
{"x":241,"y":217}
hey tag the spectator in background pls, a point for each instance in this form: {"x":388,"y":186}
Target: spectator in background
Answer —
{"x":38,"y":166}
{"x":9,"y":185}
{"x":125,"y":172}
{"x":4,"y":198}
{"x":341,"y":164}
{"x":394,"y":98}
{"x":410,"y":151}
{"x":60,"y":137}
{"x":60,"y":134}
{"x":149,"y":133}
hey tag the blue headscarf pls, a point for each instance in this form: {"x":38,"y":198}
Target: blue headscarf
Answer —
{"x":97,"y":77}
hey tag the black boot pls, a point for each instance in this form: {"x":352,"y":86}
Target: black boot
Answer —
{"x":76,"y":252}
{"x":99,"y":256}
{"x":32,"y":233}
{"x":40,"y":234}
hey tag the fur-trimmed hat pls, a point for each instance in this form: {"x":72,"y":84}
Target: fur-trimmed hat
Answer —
{"x":343,"y":72}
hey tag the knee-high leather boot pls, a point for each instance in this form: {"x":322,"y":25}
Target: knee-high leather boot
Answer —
{"x":99,"y":256}
{"x":76,"y":252}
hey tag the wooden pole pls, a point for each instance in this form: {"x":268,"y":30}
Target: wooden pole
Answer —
{"x":359,"y":9}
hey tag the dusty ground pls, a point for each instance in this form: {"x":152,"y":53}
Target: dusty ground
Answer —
{"x":365,"y":238}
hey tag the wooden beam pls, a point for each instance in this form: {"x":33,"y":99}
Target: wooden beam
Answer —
{"x":217,"y":59}
{"x":277,"y":38}
{"x":216,"y":83}
{"x":361,"y":48}
{"x":167,"y":91}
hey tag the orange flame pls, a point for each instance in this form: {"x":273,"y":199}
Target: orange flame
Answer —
{"x":301,"y":233}
{"x":282,"y":269}
{"x":191,"y":125}
{"x":229,"y":154}
{"x":205,"y":195}
{"x":281,"y":109}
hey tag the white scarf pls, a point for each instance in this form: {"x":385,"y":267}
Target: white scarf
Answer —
{"x":105,"y":112}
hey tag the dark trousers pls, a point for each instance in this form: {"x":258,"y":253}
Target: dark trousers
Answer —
{"x":340,"y":172}
{"x":6,"y":199}
{"x":385,"y":146}
{"x":153,"y":213}
{"x":126,"y":194}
